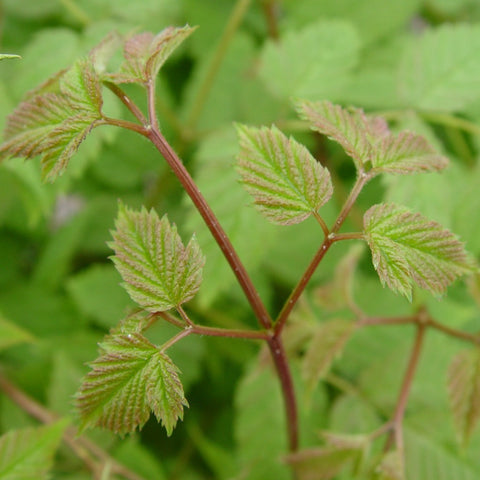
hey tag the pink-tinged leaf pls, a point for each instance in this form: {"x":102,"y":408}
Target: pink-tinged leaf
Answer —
{"x":287,"y":183}
{"x":391,"y":467}
{"x":55,"y":118}
{"x":327,"y":343}
{"x":408,"y":248}
{"x":130,"y":378}
{"x":464,"y":391}
{"x":145,"y":53}
{"x":369,"y":142}
{"x":322,"y":463}
{"x":406,"y":153}
{"x":81,"y":86}
{"x":159,"y":272}
{"x":348,"y":127}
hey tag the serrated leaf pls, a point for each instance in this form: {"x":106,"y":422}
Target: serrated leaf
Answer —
{"x":464,"y":391}
{"x":129,"y":379}
{"x":160,"y":273}
{"x":27,"y":454}
{"x":145,"y":53}
{"x":54,"y":120}
{"x":5,"y":56}
{"x":369,"y":141}
{"x":406,"y":153}
{"x":407,"y":247}
{"x":391,"y":467}
{"x":287,"y":183}
{"x":322,"y":463}
{"x":440,"y":70}
{"x":327,"y":343}
{"x":11,"y":334}
{"x":315,"y":62}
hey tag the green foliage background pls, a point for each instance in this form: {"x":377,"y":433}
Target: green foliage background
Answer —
{"x":415,"y":61}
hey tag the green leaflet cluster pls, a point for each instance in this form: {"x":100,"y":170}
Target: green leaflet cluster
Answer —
{"x":288,"y":185}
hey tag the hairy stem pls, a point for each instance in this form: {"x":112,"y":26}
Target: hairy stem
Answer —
{"x":81,"y":446}
{"x":396,"y":434}
{"x":282,"y":318}
{"x":126,"y":100}
{"x":270,"y":11}
{"x":234,"y":21}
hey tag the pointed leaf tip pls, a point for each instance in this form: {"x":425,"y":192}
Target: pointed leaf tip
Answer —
{"x":408,"y":248}
{"x":130,"y":378}
{"x":286,"y":182}
{"x":369,"y":142}
{"x":160,"y":273}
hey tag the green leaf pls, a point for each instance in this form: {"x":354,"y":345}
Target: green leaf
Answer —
{"x":145,"y":53}
{"x":287,"y":183}
{"x":327,"y":343}
{"x":391,"y":467}
{"x":322,"y":463}
{"x":55,"y":119}
{"x":315,"y":62}
{"x":440,"y":70}
{"x":369,"y":141}
{"x":97,"y":292}
{"x":464,"y":391}
{"x":129,"y":379}
{"x":11,"y":334}
{"x":5,"y":56}
{"x":406,"y":247}
{"x":27,"y":454}
{"x":160,"y":273}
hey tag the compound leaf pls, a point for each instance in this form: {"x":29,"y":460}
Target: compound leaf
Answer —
{"x":464,"y":391}
{"x":407,"y":247}
{"x":130,"y":378}
{"x":145,"y":53}
{"x":287,"y":183}
{"x":160,"y":273}
{"x":28,"y":453}
{"x":327,"y":343}
{"x":369,"y":141}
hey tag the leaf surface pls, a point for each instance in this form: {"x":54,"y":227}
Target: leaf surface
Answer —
{"x":27,"y":454}
{"x":129,"y":379}
{"x":369,"y":141}
{"x":391,"y":467}
{"x":11,"y":334}
{"x":406,"y":247}
{"x":287,"y":183}
{"x":159,"y":272}
{"x":464,"y":391}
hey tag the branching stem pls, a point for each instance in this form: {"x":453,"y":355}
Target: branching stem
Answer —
{"x":282,"y":318}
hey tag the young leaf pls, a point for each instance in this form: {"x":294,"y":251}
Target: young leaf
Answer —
{"x":464,"y":391}
{"x":288,"y":184}
{"x":145,"y":53}
{"x":55,"y":119}
{"x":160,"y":273}
{"x":406,"y":247}
{"x":129,"y":379}
{"x":346,"y":127}
{"x":28,"y":453}
{"x":391,"y":467}
{"x":369,"y":142}
{"x":327,"y":343}
{"x":323,"y":463}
